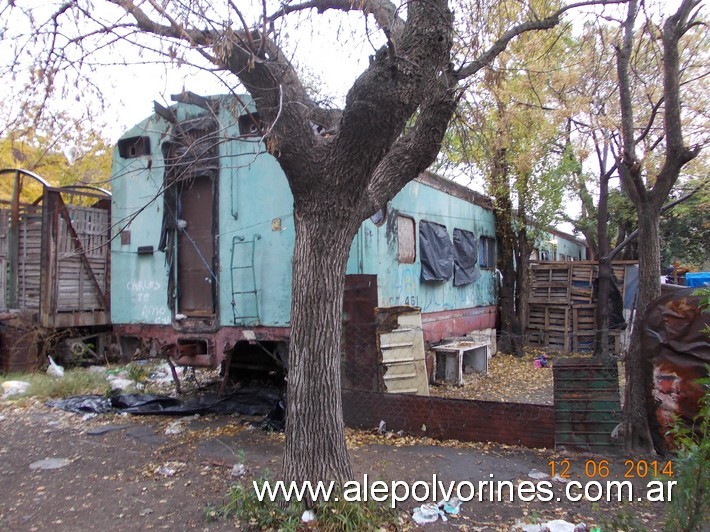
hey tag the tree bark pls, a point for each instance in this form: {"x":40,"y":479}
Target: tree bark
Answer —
{"x":601,"y":337}
{"x":523,"y":283}
{"x":648,"y":202}
{"x":315,"y":436}
{"x":637,"y":434}
{"x":511,"y":337}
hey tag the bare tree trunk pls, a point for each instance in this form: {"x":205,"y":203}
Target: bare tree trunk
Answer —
{"x":601,"y":336}
{"x":511,"y":337}
{"x":315,"y":434}
{"x":523,"y":278}
{"x":638,"y":372}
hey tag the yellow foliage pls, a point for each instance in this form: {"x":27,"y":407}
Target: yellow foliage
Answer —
{"x":44,"y":155}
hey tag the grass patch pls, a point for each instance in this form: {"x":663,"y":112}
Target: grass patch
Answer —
{"x":74,"y":382}
{"x":336,"y":516}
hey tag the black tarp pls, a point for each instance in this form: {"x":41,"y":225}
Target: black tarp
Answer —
{"x":465,"y":258}
{"x":436,"y":252}
{"x":247,"y":401}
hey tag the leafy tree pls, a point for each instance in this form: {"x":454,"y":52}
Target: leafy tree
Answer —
{"x":633,"y":123}
{"x":648,"y":181}
{"x":59,"y":149}
{"x":342,"y":171}
{"x":508,"y":131}
{"x":685,"y":230}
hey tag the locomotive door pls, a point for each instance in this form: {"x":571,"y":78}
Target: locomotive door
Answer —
{"x":196,"y":278}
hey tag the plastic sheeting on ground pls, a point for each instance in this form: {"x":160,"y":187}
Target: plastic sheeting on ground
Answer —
{"x":247,"y":401}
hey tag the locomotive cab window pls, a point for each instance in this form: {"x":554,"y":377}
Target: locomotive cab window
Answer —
{"x":132,"y":147}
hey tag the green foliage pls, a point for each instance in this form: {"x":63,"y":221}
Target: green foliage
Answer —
{"x":625,"y":519}
{"x":63,"y":151}
{"x":74,"y":382}
{"x":137,"y":372}
{"x":685,"y":230}
{"x":336,"y":516}
{"x":690,"y":507}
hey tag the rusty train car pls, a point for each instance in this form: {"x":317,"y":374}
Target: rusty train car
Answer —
{"x":203,"y":238}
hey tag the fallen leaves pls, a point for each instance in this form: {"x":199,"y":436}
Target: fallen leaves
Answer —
{"x":509,"y":379}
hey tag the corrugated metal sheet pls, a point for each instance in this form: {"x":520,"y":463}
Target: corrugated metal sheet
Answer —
{"x":587,"y":404}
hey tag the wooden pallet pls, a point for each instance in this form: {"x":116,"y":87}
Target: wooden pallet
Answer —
{"x":548,"y":326}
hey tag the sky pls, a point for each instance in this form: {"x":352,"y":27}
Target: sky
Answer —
{"x":332,"y":48}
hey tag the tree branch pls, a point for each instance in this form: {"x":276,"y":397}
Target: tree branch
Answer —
{"x":614,"y":252}
{"x":546,"y":23}
{"x":384,"y":11}
{"x":175,"y":31}
{"x":416,"y":150}
{"x":677,"y":154}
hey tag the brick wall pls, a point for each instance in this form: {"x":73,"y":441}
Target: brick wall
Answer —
{"x":508,"y":423}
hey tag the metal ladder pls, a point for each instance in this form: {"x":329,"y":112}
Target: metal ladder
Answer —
{"x":245,"y":302}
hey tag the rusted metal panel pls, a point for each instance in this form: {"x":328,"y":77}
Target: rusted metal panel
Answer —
{"x":359,"y":363}
{"x":587,"y":404}
{"x":167,"y":340}
{"x":19,"y":345}
{"x":674,"y":341}
{"x":456,"y":323}
{"x":4,"y":227}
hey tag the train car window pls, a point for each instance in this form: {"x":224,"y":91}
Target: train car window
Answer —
{"x":487,"y":252}
{"x":132,"y":147}
{"x":465,"y":258}
{"x":436,"y":252}
{"x":406,"y":238}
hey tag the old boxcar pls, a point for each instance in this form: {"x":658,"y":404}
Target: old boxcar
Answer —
{"x":203,"y":239}
{"x":54,"y":267}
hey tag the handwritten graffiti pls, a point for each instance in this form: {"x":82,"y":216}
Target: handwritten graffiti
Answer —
{"x":143,"y":286}
{"x":155,"y":314}
{"x":142,"y":293}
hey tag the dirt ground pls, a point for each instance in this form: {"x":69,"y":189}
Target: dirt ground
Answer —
{"x":126,"y":473}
